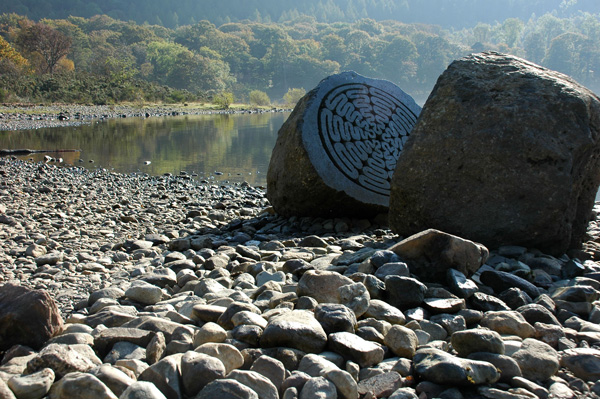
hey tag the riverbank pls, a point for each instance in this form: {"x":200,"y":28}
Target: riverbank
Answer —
{"x":195,"y":262}
{"x":31,"y":116}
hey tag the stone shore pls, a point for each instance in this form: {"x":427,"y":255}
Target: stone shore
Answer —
{"x":170,"y":288}
{"x":15,"y":117}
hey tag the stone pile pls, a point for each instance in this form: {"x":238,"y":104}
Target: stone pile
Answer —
{"x":174,"y":289}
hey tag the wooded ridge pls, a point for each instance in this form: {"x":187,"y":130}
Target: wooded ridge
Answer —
{"x":103,"y":60}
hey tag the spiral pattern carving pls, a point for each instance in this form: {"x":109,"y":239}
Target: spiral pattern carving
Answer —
{"x":363,"y":130}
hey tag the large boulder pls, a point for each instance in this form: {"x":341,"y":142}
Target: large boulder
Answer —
{"x":27,"y":317}
{"x":505,"y":152}
{"x":336,"y":153}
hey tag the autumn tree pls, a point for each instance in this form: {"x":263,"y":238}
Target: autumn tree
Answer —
{"x":44,"y":44}
{"x":11,"y":62}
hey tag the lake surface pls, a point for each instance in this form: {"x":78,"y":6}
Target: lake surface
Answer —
{"x":230,"y":147}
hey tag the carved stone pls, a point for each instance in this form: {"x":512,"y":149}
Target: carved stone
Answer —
{"x":336,"y":153}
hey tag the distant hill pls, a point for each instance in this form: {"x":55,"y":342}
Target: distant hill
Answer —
{"x":456,"y":14}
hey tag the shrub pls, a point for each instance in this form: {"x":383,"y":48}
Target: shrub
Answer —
{"x":224,"y":99}
{"x":292,"y":96}
{"x":259,"y":98}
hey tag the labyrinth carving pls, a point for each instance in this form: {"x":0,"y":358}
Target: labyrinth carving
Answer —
{"x":363,"y":129}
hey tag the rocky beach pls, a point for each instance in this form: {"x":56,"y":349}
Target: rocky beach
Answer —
{"x":167,"y":287}
{"x":29,"y":116}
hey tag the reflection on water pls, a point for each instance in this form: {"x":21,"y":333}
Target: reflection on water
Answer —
{"x":238,"y":147}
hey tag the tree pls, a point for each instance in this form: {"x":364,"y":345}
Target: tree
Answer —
{"x":259,"y":98}
{"x":571,"y":53}
{"x":224,"y":99}
{"x":535,"y":47}
{"x":292,"y":96}
{"x":482,"y":32}
{"x":11,"y":62}
{"x":511,"y":31}
{"x":334,"y":48}
{"x":47,"y":43}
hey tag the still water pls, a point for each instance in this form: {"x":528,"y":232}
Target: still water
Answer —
{"x":217,"y":148}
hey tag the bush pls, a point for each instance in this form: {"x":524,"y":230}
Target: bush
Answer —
{"x":224,"y":99}
{"x":292,"y":97}
{"x":259,"y":98}
{"x":83,"y":88}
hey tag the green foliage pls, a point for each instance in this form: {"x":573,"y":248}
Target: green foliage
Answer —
{"x":259,"y":98}
{"x":85,"y":88}
{"x":223,"y":100}
{"x":172,"y":14}
{"x":3,"y":94}
{"x":121,"y":60}
{"x":292,"y":97}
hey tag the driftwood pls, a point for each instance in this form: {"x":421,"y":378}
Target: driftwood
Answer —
{"x":25,"y":151}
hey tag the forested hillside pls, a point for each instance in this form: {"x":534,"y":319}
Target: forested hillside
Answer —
{"x":173,"y":13}
{"x":101,"y":59}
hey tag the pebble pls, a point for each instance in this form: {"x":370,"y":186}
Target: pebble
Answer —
{"x":208,"y":300}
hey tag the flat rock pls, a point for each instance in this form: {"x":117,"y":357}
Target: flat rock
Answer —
{"x":402,"y":341}
{"x":431,"y":253}
{"x":355,"y":296}
{"x":115,"y":379}
{"x":81,"y":385}
{"x":34,"y":385}
{"x":507,"y":366}
{"x":64,"y":359}
{"x":271,"y":368}
{"x":442,"y":368}
{"x":538,"y":361}
{"x":156,"y":324}
{"x":322,"y":285}
{"x":210,"y":332}
{"x":583,"y":362}
{"x":381,"y":385}
{"x":477,"y":340}
{"x":335,"y":318}
{"x":105,"y":339}
{"x":460,"y":285}
{"x":508,"y":322}
{"x":257,"y":382}
{"x":142,"y":390}
{"x":199,"y":369}
{"x":165,"y":375}
{"x":318,"y":388}
{"x":500,"y":281}
{"x":381,"y":310}
{"x":404,"y":292}
{"x":344,"y":383}
{"x":144,"y":293}
{"x":207,"y":313}
{"x":316,"y":365}
{"x":296,"y":329}
{"x":228,"y":354}
{"x":226,"y":388}
{"x":352,"y":347}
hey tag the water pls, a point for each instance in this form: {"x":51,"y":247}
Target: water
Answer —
{"x":233,"y":148}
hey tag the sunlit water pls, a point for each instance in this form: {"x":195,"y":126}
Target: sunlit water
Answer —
{"x":233,"y":148}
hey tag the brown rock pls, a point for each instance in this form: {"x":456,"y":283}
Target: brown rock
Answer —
{"x":27,"y":317}
{"x":431,"y":253}
{"x":505,"y":153}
